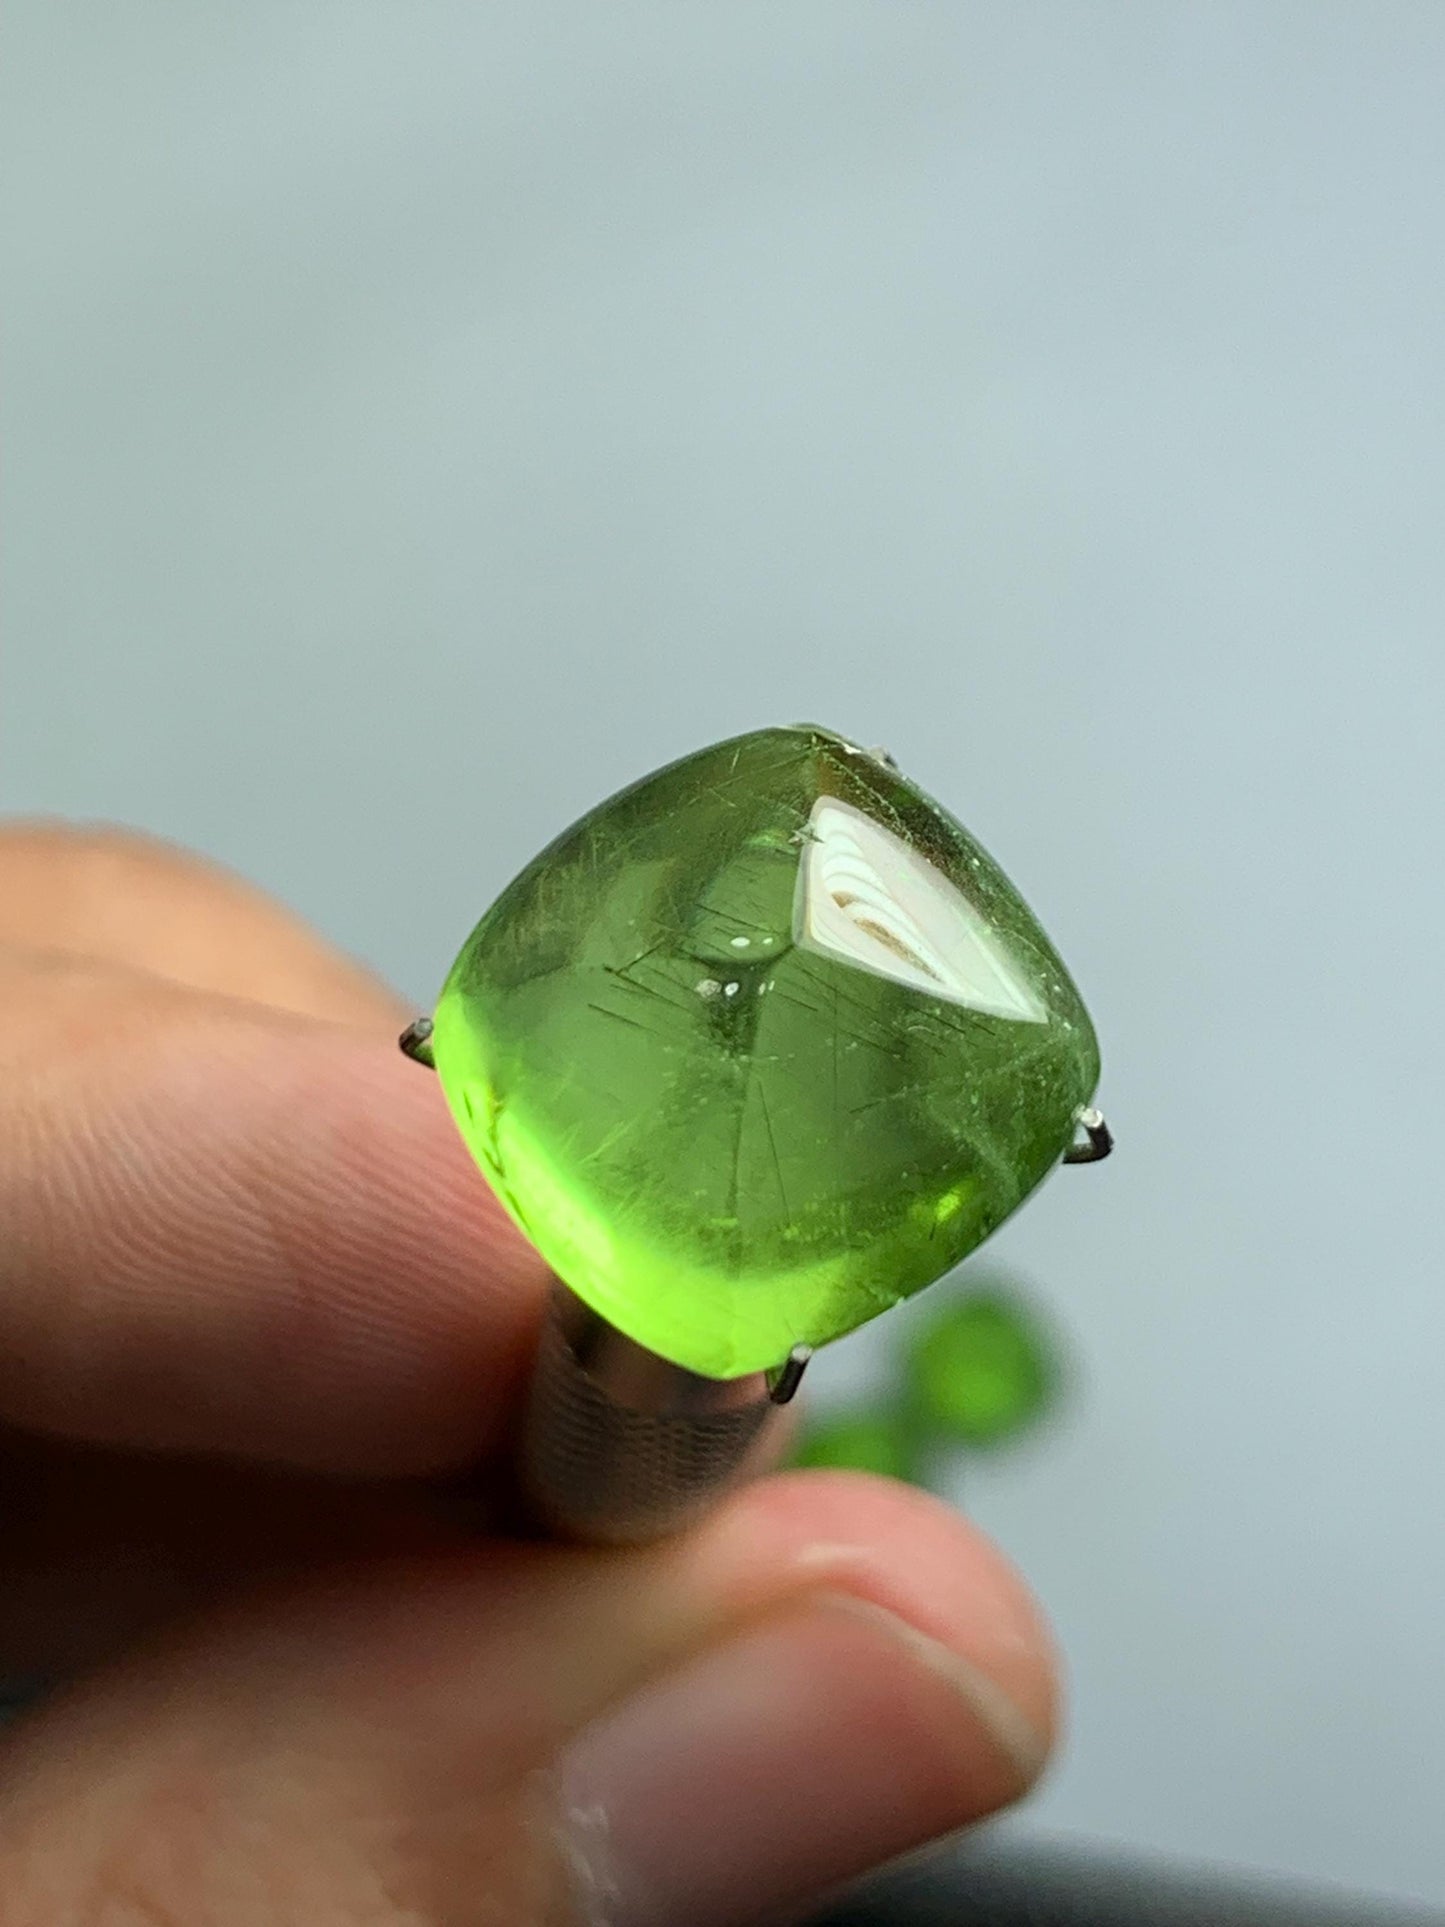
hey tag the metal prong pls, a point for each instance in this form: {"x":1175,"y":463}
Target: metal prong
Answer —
{"x":1098,"y":1140}
{"x":415,"y":1042}
{"x":785,"y":1379}
{"x":870,"y":750}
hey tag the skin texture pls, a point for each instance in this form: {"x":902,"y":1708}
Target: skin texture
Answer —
{"x":265,"y":1333}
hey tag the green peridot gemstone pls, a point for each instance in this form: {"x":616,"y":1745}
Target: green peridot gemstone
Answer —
{"x":981,"y":1371}
{"x":875,"y":1440}
{"x":759,"y":1047}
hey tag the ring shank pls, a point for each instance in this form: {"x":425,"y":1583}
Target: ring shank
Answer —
{"x":620,"y":1446}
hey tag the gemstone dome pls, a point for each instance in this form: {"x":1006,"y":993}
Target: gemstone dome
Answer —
{"x":760,"y":1046}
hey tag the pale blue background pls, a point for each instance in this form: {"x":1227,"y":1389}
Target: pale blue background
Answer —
{"x":424,"y":418}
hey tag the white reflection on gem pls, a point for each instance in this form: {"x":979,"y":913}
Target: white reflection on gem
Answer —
{"x":866,"y":898}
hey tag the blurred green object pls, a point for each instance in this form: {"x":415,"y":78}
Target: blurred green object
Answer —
{"x":980,"y":1371}
{"x":972,"y":1376}
{"x":875,"y":1439}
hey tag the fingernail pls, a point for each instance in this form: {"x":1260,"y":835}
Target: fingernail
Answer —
{"x":767,"y":1772}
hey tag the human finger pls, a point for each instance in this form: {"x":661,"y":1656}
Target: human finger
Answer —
{"x":100,"y":1549}
{"x":230,"y":1229}
{"x":116,"y":895}
{"x":830,"y":1671}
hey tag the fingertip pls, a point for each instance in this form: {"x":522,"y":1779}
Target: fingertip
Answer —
{"x":908,"y":1553}
{"x":809,"y":1749}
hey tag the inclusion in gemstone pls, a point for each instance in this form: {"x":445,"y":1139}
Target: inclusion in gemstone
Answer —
{"x":759,"y":1047}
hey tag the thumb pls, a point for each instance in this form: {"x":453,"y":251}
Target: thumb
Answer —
{"x":830,"y":1672}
